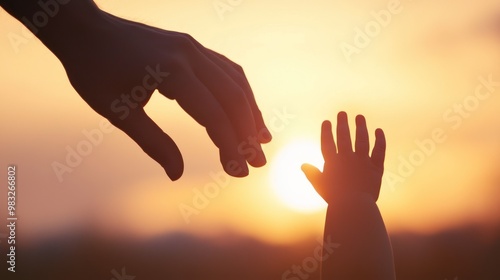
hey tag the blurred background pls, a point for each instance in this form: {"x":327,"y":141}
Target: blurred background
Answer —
{"x":427,"y":72}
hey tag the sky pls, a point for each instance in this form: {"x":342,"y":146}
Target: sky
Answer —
{"x":415,"y":74}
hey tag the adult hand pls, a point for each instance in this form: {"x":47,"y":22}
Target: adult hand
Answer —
{"x":115,"y":65}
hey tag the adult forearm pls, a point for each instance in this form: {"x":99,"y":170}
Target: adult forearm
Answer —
{"x":57,"y":23}
{"x":20,"y":8}
{"x":365,"y":250}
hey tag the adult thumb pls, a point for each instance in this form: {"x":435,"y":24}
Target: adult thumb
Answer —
{"x":153,"y":141}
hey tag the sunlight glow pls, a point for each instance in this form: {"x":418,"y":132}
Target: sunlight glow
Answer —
{"x":288,"y":181}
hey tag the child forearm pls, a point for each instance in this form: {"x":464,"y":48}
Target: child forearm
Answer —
{"x":365,"y":250}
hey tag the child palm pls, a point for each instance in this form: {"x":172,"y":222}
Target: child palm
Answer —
{"x":347,"y":172}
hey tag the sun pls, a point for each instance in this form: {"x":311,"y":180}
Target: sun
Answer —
{"x":289,"y":182}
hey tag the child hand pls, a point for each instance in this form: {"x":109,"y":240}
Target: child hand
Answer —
{"x":347,"y":172}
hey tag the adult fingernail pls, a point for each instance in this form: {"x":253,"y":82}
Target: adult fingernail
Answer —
{"x":174,"y":173}
{"x":257,"y":159}
{"x":264,"y":135}
{"x":236,"y":168}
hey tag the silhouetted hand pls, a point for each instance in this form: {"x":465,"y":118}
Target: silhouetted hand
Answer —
{"x":347,"y":172}
{"x":115,"y":65}
{"x":350,"y":184}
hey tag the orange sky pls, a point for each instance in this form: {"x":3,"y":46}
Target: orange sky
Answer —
{"x":427,"y":59}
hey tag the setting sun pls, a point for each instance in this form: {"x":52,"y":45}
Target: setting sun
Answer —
{"x":289,"y":183}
